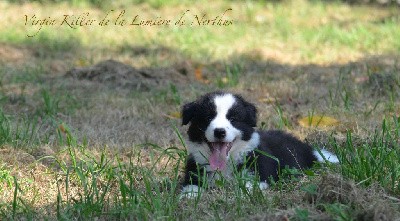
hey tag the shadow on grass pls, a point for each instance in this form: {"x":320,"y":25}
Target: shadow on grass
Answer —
{"x":371,"y":78}
{"x":353,"y":86}
{"x":44,"y":46}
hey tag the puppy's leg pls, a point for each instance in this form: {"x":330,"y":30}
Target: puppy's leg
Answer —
{"x":193,"y":179}
{"x":261,"y":185}
{"x":190,"y":192}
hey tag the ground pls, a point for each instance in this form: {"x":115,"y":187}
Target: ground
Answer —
{"x":90,"y":124}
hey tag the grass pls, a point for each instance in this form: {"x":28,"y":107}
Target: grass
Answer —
{"x":80,"y":148}
{"x":18,"y":133}
{"x":376,"y":160}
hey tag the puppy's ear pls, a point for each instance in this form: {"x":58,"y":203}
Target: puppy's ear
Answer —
{"x":188,"y":111}
{"x":251,"y":114}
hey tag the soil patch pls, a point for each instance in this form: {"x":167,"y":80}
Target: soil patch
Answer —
{"x":119,"y":74}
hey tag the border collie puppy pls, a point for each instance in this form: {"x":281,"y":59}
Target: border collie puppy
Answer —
{"x":222,"y":136}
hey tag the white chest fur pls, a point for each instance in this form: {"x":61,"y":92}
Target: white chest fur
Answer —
{"x":201,"y":153}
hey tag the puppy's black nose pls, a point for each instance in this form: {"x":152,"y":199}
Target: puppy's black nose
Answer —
{"x":219,"y":133}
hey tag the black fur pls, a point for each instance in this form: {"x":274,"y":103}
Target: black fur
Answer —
{"x":242,"y":115}
{"x":199,"y":113}
{"x":193,"y":172}
{"x":188,"y":111}
{"x":288,"y":150}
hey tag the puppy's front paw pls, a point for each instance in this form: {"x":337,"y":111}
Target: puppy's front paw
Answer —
{"x":189,"y":192}
{"x":261,"y":186}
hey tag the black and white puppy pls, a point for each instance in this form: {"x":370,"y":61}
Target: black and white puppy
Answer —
{"x":222,"y":136}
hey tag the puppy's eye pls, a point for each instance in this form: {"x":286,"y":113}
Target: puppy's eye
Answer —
{"x":232,"y":119}
{"x":209,"y":117}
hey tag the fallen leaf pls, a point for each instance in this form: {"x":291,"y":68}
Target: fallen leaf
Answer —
{"x":318,"y":121}
{"x":375,"y":68}
{"x":198,"y":74}
{"x":173,"y":115}
{"x":81,"y":62}
{"x":267,"y":100}
{"x":61,"y":128}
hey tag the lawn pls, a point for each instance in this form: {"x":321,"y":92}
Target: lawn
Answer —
{"x":91,"y":92}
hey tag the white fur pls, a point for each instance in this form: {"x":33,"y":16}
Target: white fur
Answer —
{"x":261,"y":185}
{"x":330,"y":157}
{"x":240,"y":148}
{"x":223,"y":103}
{"x":190,"y":192}
{"x":201,"y":153}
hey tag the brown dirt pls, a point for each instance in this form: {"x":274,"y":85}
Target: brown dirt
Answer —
{"x":119,"y":74}
{"x":14,"y":156}
{"x":14,"y":54}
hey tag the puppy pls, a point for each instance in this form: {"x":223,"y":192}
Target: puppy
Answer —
{"x":222,"y":139}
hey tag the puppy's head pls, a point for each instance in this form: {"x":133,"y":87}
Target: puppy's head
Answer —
{"x":218,"y":120}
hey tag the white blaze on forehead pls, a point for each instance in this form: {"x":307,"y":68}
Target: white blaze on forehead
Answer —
{"x":222,"y":105}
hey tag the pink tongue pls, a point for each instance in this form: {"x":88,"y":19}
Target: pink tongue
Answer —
{"x":218,"y":156}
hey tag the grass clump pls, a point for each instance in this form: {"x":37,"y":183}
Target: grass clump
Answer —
{"x":18,"y":132}
{"x":109,"y":187}
{"x":375,"y":160}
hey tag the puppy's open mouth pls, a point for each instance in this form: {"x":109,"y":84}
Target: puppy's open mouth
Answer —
{"x":219,"y":154}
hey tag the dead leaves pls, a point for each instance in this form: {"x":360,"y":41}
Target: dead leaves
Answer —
{"x":61,"y":127}
{"x":81,"y":62}
{"x":267,"y":100}
{"x":198,"y":75}
{"x":173,"y":115}
{"x":318,"y":121}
